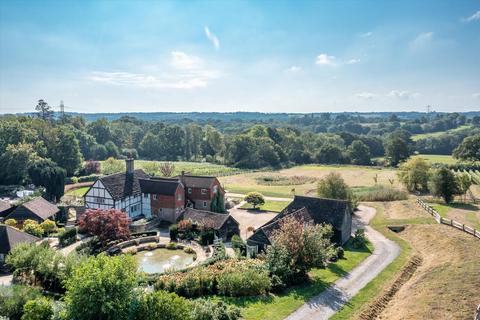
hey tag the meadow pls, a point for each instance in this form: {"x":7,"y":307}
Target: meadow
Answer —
{"x":421,"y":136}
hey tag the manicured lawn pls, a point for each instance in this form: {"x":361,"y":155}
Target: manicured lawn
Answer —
{"x":278,"y":306}
{"x":417,"y":137}
{"x":436,"y":158}
{"x":274,"y":206}
{"x":79,"y":192}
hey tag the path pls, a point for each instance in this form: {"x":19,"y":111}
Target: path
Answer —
{"x":331,"y":300}
{"x":66,"y":250}
{"x":249,"y":218}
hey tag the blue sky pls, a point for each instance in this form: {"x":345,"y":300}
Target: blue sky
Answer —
{"x":270,"y":56}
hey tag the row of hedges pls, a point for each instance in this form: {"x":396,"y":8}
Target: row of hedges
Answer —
{"x":67,"y":237}
{"x":226,"y":277}
{"x":89,"y":178}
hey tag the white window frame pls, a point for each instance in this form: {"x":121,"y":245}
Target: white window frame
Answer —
{"x":155,"y":197}
{"x":204,"y":204}
{"x":189,"y":190}
{"x":204,"y":191}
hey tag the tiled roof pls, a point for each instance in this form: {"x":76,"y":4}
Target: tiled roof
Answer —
{"x":38,"y":207}
{"x":159,"y":186}
{"x":216,"y":220}
{"x":321,"y":210}
{"x":190,"y":181}
{"x":4,"y":205}
{"x":122,"y":185}
{"x":10,"y":237}
{"x":264,"y":234}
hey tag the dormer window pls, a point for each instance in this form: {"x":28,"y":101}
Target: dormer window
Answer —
{"x":204,"y":191}
{"x":155,"y":197}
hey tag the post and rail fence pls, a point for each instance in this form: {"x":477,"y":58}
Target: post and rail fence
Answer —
{"x":449,"y":222}
{"x":477,"y":315}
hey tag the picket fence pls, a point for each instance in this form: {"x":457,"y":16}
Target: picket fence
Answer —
{"x":448,"y":222}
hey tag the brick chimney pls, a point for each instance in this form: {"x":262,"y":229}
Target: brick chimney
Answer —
{"x":130,"y":165}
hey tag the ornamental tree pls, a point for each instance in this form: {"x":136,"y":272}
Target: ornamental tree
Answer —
{"x":255,"y":199}
{"x":107,"y":225}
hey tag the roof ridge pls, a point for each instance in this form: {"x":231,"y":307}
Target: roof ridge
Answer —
{"x":321,"y":198}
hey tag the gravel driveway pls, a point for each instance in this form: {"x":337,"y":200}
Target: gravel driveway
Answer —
{"x":331,"y":300}
{"x":250,"y":218}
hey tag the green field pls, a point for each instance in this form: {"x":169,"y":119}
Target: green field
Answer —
{"x":273,"y":206}
{"x":79,"y":192}
{"x":421,"y":136}
{"x":278,"y":306}
{"x":436,"y":158}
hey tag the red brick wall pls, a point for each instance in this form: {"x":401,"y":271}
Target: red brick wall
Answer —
{"x":180,"y":203}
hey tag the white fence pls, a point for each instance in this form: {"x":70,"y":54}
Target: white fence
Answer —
{"x":449,"y":222}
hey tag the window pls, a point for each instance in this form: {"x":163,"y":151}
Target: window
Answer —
{"x":204,"y":191}
{"x":215,"y":189}
{"x":204,"y":204}
{"x":189,"y":190}
{"x":179,"y":197}
{"x":145,"y":195}
{"x":155,"y":197}
{"x":99,"y":200}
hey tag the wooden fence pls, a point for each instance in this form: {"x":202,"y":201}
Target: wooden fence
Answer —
{"x":448,"y":222}
{"x":477,"y":314}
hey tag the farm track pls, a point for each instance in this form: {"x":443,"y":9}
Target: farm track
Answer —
{"x":335,"y":297}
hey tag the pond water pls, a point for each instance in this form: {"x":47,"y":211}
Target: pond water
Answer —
{"x":160,"y":260}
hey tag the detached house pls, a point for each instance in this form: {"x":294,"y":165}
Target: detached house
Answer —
{"x":37,"y":209}
{"x":139,"y":195}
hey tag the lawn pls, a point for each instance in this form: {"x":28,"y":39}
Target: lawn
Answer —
{"x":420,"y":136}
{"x":278,"y":306}
{"x":355,"y":176}
{"x":436,"y":158}
{"x":79,"y":192}
{"x":273,"y":206}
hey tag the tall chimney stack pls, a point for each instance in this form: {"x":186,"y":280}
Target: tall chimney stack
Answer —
{"x":130,"y":165}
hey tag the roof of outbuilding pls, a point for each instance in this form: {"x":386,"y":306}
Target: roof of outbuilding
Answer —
{"x":216,"y":220}
{"x":159,"y":186}
{"x":121,"y":185}
{"x":264,"y":233}
{"x":37,"y":206}
{"x":322,"y":210}
{"x":10,"y":237}
{"x":4,"y":205}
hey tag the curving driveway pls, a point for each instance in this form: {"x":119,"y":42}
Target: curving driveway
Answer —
{"x":331,"y":300}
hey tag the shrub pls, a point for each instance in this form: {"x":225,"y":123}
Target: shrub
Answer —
{"x":238,"y":244}
{"x":33,"y":228}
{"x":13,"y":299}
{"x":173,"y":229}
{"x":74,"y":180}
{"x":207,"y":237}
{"x":67,"y":237}
{"x":48,"y":226}
{"x":91,"y":167}
{"x":160,"y":305}
{"x":227,"y":277}
{"x":255,"y":199}
{"x":188,"y":250}
{"x":202,"y":309}
{"x":38,"y":309}
{"x":359,"y":240}
{"x":11,"y":222}
{"x":171,"y":246}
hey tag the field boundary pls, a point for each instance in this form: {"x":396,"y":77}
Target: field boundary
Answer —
{"x":449,"y":222}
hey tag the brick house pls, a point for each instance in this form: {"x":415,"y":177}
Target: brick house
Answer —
{"x":201,"y":190}
{"x":162,"y":198}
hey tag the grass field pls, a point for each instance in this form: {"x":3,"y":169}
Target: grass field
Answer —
{"x":355,"y":176}
{"x":278,"y":306}
{"x":417,"y":137}
{"x":465,"y":213}
{"x":437,"y":158}
{"x":273,"y":206}
{"x":79,"y":192}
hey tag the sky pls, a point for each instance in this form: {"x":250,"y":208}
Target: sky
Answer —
{"x":226,"y":56}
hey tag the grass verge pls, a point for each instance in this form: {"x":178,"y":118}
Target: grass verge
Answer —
{"x":375,"y":287}
{"x":278,"y":306}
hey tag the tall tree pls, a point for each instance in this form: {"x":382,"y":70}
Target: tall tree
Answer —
{"x":65,"y":151}
{"x":443,"y":184}
{"x":414,"y":174}
{"x":45,"y":112}
{"x":14,"y":163}
{"x":46,"y":173}
{"x":359,"y":153}
{"x":469,"y":149}
{"x":396,"y":150}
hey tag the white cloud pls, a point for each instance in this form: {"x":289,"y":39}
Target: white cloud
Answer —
{"x":476,"y":95}
{"x":185,"y":72}
{"x":353,"y":61}
{"x":293,"y":69}
{"x":325,"y":60}
{"x":213,"y":38}
{"x":421,"y":40}
{"x":401,"y":94}
{"x":366,"y":34}
{"x":473,"y":17}
{"x":365,"y":95}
